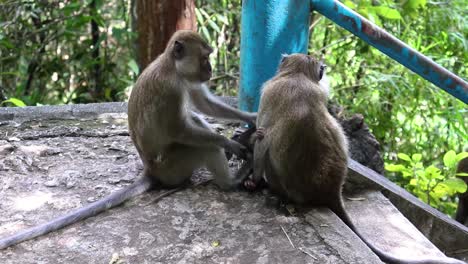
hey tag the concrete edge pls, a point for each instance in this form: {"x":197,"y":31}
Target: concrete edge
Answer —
{"x":403,"y":199}
{"x":71,"y":111}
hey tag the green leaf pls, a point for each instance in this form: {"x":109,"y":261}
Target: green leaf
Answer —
{"x":214,"y":26}
{"x":413,"y":182}
{"x":387,"y":12}
{"x":403,"y":156}
{"x":461,"y":156}
{"x":223,"y":19}
{"x":349,"y":4}
{"x":462,"y":174}
{"x":450,"y":159}
{"x":455,"y":184}
{"x":15,"y":102}
{"x":414,"y":4}
{"x":199,"y":16}
{"x":432,"y":172}
{"x":395,"y":167}
{"x":416,"y":157}
{"x":134,"y":66}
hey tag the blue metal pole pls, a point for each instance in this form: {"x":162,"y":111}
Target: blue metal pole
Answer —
{"x":393,"y":47}
{"x":269,"y":28}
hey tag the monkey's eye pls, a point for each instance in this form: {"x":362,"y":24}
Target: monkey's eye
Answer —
{"x":178,"y":49}
{"x":322,"y":70}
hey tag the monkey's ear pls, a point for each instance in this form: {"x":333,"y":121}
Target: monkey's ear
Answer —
{"x":178,"y":50}
{"x":283,"y":57}
{"x":322,"y":70}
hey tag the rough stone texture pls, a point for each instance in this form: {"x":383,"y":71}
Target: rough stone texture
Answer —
{"x":51,"y":166}
{"x":446,"y":233}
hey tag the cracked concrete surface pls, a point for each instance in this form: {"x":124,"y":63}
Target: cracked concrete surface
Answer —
{"x":51,"y":166}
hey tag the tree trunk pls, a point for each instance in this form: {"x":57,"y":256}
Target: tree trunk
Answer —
{"x":97,"y":89}
{"x":156,"y":21}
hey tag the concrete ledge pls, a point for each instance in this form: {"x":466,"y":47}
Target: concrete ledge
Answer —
{"x":446,"y":233}
{"x":56,"y":158}
{"x":71,"y":111}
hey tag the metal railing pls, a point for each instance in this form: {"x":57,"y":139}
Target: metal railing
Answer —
{"x":274,"y":27}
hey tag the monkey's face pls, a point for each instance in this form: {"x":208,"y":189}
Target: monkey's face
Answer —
{"x":192,"y":60}
{"x":205,"y":68}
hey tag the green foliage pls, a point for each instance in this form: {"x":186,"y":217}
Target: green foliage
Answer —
{"x":219,"y":23}
{"x":46,"y":51}
{"x":14,"y":102}
{"x":405,"y":112}
{"x":435,"y":185}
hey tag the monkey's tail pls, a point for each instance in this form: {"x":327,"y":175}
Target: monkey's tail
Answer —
{"x":339,"y":210}
{"x":140,"y":186}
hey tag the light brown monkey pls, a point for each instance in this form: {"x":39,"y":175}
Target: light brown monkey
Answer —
{"x":171,"y":139}
{"x":301,"y":149}
{"x":462,"y":209}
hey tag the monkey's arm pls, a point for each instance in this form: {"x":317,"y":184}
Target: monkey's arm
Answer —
{"x":192,"y":131}
{"x":204,"y":101}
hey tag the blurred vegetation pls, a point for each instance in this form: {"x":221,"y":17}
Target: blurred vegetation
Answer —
{"x":47,"y":51}
{"x":48,"y":56}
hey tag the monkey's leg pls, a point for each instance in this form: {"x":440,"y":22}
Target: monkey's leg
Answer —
{"x":216,"y":163}
{"x":260,"y":154}
{"x":178,"y":164}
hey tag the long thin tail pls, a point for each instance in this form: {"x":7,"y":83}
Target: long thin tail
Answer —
{"x":339,"y":210}
{"x":140,"y":186}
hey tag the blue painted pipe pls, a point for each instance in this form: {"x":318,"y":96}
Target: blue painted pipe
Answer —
{"x":269,"y":29}
{"x":393,"y":47}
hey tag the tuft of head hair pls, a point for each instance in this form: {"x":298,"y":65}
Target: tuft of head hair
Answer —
{"x":187,"y":36}
{"x":311,"y":67}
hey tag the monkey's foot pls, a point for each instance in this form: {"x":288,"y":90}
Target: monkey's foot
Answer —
{"x":260,"y":133}
{"x":250,"y":185}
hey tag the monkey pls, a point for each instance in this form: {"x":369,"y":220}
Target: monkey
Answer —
{"x":462,"y":209}
{"x":172,"y":139}
{"x":247,"y":138}
{"x":301,"y":149}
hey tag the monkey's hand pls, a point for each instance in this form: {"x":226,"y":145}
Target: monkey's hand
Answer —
{"x":250,"y":185}
{"x":260,"y":133}
{"x":236,"y":148}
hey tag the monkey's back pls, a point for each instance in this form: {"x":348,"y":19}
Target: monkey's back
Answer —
{"x":152,"y":105}
{"x":307,"y":155}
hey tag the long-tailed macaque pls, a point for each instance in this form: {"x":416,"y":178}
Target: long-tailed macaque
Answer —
{"x":170,"y":138}
{"x":301,"y":149}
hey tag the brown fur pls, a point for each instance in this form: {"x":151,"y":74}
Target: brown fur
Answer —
{"x":303,"y":153}
{"x":171,"y":140}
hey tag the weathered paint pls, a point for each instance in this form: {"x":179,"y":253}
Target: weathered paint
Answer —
{"x":269,"y":28}
{"x":393,"y":47}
